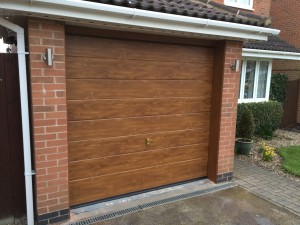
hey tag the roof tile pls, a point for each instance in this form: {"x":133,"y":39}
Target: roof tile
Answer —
{"x":273,"y":44}
{"x":191,"y":8}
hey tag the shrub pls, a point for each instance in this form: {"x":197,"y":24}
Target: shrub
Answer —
{"x":246,"y":130}
{"x":267,"y":152}
{"x":278,"y":87}
{"x":267,"y":117}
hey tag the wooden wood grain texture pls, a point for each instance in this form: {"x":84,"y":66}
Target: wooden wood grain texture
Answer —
{"x":87,"y":190}
{"x":214,"y":139}
{"x":94,"y":129}
{"x":290,"y":110}
{"x":102,"y":68}
{"x":139,"y":50}
{"x":122,"y":163}
{"x":91,"y":32}
{"x":82,"y":150}
{"x":120,"y":108}
{"x":90,"y":89}
{"x":121,"y":92}
{"x":12,"y":183}
{"x":6,"y":205}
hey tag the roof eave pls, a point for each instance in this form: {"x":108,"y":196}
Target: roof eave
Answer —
{"x":87,"y":13}
{"x":258,"y":53}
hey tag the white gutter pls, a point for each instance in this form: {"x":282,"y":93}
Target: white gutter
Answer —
{"x":25,"y":116}
{"x":87,"y":12}
{"x":257,"y":53}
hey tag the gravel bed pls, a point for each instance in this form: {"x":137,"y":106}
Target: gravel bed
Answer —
{"x":282,"y":138}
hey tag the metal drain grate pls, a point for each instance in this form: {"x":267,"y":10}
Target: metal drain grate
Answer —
{"x":106,"y":216}
{"x":123,"y":212}
{"x":185,"y":196}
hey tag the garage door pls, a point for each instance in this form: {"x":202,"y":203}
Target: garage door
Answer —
{"x":138,"y":115}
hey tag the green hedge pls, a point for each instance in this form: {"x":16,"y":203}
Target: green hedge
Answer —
{"x":278,"y":87}
{"x":267,"y":117}
{"x":246,"y":118}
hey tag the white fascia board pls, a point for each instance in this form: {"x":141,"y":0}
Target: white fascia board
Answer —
{"x":84,"y":11}
{"x":257,"y":53}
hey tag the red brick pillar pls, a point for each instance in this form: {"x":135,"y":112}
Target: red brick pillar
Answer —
{"x":49,"y":117}
{"x":231,"y":83}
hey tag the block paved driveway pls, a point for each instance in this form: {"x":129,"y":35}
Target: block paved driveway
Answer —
{"x":277,"y":189}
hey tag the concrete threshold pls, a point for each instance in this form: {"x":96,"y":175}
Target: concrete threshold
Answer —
{"x":118,"y":207}
{"x":7,"y":220}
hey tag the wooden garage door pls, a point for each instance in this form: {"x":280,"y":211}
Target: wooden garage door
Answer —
{"x":121,"y":92}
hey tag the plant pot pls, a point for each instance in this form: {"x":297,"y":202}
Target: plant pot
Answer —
{"x":243,"y":146}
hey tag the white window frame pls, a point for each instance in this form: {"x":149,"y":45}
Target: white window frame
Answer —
{"x":256,"y":78}
{"x":239,"y":5}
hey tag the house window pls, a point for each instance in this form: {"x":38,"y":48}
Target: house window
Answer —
{"x":255,"y":80}
{"x":244,"y":4}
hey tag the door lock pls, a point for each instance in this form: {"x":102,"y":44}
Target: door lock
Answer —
{"x":148,"y":142}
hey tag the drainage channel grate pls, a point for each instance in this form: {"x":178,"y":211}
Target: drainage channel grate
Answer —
{"x":123,"y":212}
{"x":185,"y":196}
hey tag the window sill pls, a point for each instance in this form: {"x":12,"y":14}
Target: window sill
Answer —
{"x":250,"y":8}
{"x":253,"y":100}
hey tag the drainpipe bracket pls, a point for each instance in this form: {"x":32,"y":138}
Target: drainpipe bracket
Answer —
{"x":23,"y":53}
{"x":29,"y":173}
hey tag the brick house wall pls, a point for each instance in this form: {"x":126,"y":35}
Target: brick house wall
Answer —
{"x":49,"y":118}
{"x":292,"y":69}
{"x":285,"y":16}
{"x":260,"y":7}
{"x":230,"y":92}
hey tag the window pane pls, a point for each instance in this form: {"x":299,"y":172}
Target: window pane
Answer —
{"x":241,"y":2}
{"x":244,"y":2}
{"x":262,"y":80}
{"x":249,"y":79}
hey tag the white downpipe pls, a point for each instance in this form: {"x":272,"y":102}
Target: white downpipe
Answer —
{"x":25,"y":116}
{"x":85,"y":11}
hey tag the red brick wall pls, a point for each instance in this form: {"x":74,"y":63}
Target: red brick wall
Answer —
{"x":286,"y":16}
{"x":261,"y":7}
{"x":48,"y":86}
{"x":292,"y":69}
{"x":229,"y":108}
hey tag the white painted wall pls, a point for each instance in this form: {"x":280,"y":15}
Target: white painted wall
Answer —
{"x":3,"y":47}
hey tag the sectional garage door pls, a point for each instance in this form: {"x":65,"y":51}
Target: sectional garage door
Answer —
{"x":138,"y":115}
